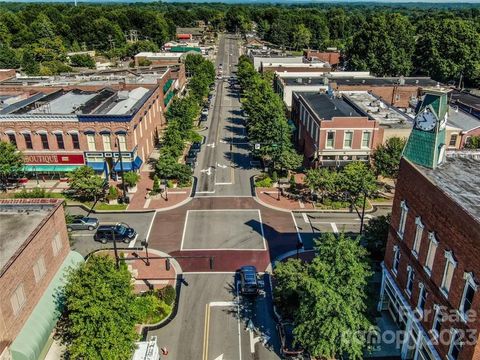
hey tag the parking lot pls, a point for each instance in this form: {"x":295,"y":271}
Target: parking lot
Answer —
{"x":227,"y":230}
{"x":83,"y":242}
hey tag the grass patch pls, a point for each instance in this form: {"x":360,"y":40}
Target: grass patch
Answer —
{"x":103,"y":206}
{"x":264,"y":181}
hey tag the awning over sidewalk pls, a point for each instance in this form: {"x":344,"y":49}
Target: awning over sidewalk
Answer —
{"x":97,"y":166}
{"x":50,"y":168}
{"x":35,"y":332}
{"x":129,"y":166}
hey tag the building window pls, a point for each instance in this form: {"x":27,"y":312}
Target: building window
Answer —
{"x":122,"y":140}
{"x":330,"y":140}
{"x":12,"y":138}
{"x":60,"y":142}
{"x":455,"y":345}
{"x":396,"y":259}
{"x":56,"y":244}
{"x":450,"y":265}
{"x":28,"y":141}
{"x":366,"y":139}
{"x":18,"y":299}
{"x":39,"y":269}
{"x":410,"y":276}
{"x":432,"y":249}
{"x":437,"y":321}
{"x":403,"y":218}
{"x":453,"y":140}
{"x":468,"y":294}
{"x":75,"y":141}
{"x":44,"y":139}
{"x":418,"y":237}
{"x":347,"y":139}
{"x":107,"y":145}
{"x":91,"y":142}
{"x":422,"y":297}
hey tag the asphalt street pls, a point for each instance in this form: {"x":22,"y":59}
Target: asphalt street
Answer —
{"x":83,"y":240}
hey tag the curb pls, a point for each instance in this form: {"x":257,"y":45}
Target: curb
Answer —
{"x":86,"y":208}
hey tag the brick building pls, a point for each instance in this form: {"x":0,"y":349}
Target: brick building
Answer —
{"x":33,"y":263}
{"x":430,"y":273}
{"x":330,"y":57}
{"x":158,"y":58}
{"x":334,"y":129}
{"x":64,"y":123}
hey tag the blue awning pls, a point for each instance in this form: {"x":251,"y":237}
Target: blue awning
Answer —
{"x":97,"y":166}
{"x":129,"y":166}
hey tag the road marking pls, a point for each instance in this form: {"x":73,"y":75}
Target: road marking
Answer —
{"x":305,"y":218}
{"x":150,"y":228}
{"x":206,"y":192}
{"x":223,"y":303}
{"x":212,"y":145}
{"x":239,"y":332}
{"x":207,"y":171}
{"x":222,"y":166}
{"x":223,"y":183}
{"x":80,"y":235}
{"x":296,"y":228}
{"x":302,"y":205}
{"x":334,"y":228}
{"x":261,"y":228}
{"x":131,"y":244}
{"x":147,"y":203}
{"x":205,"y":332}
{"x":220,"y":357}
{"x":184,"y":229}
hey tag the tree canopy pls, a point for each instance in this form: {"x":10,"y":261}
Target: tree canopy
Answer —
{"x":327,"y":297}
{"x":11,"y":161}
{"x":86,"y":183}
{"x":386,"y":157}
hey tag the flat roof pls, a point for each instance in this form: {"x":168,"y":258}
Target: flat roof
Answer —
{"x":159,"y":55}
{"x":328,"y":107}
{"x":317,"y":65}
{"x":465,"y":98}
{"x":459,"y":178}
{"x":18,"y":220}
{"x":338,"y":79}
{"x":462,"y":120}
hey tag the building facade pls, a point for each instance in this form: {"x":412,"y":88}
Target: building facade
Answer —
{"x":33,"y":264}
{"x":59,"y":128}
{"x":430,"y":273}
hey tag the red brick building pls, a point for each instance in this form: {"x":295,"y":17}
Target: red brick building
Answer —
{"x":60,"y":127}
{"x":33,"y":262}
{"x":331,"y":57}
{"x":431,"y":268}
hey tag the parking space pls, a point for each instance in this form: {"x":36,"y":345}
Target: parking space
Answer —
{"x":83,"y":242}
{"x":227,"y":230}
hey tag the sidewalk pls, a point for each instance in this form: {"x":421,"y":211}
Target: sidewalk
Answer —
{"x":140,"y":200}
{"x":270,"y":197}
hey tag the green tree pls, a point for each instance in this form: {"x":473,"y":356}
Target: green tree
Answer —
{"x":8,"y":58}
{"x":133,"y":49}
{"x":99,"y":315}
{"x":42,"y":27}
{"x":11,"y":161}
{"x":473,"y":142}
{"x":375,"y":236}
{"x":323,"y":181}
{"x":328,"y":297}
{"x":86,"y":183}
{"x":301,"y":37}
{"x":288,"y":160}
{"x":192,"y":62}
{"x":356,"y":179}
{"x":82,"y":60}
{"x":386,"y":158}
{"x":168,"y":168}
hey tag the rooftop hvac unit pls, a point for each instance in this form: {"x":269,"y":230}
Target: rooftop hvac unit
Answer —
{"x":299,"y":80}
{"x":122,"y":95}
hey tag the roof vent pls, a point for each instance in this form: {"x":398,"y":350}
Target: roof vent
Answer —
{"x":416,"y":81}
{"x":363,"y":81}
{"x":122,"y":95}
{"x":401,"y":81}
{"x":309,"y":80}
{"x":299,"y":80}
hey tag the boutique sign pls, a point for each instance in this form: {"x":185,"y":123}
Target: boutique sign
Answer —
{"x":54,"y":159}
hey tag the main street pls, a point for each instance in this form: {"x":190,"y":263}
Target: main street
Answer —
{"x":223,"y":228}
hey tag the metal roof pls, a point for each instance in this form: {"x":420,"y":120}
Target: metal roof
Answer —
{"x":327,"y":107}
{"x":462,"y":120}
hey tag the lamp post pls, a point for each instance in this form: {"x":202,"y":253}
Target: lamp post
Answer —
{"x":145,"y":244}
{"x":115,"y":249}
{"x":362,"y":218}
{"x":124,"y":189}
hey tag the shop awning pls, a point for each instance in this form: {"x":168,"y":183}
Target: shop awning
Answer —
{"x":97,"y":166}
{"x":129,"y":166}
{"x":31,"y":340}
{"x":50,"y":168}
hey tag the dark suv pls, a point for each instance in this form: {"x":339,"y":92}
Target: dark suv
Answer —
{"x":249,"y":280}
{"x":121,"y":231}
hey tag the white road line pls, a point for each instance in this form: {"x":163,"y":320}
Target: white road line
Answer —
{"x":296,"y":228}
{"x":150,"y":227}
{"x":338,"y":222}
{"x":205,"y":192}
{"x":147,"y":203}
{"x":305,"y":218}
{"x":238,"y":324}
{"x":261,"y":228}
{"x":81,"y":235}
{"x":222,"y":303}
{"x":334,"y":227}
{"x":223,"y":183}
{"x":131,"y":244}
{"x":184,"y":229}
{"x":302,"y":205}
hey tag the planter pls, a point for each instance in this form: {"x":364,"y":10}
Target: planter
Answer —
{"x":112,"y":202}
{"x":132,"y":189}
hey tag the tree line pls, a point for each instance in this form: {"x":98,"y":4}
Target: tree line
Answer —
{"x":440,"y":42}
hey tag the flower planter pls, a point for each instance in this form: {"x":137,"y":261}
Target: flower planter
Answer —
{"x":132,"y":189}
{"x":112,"y":202}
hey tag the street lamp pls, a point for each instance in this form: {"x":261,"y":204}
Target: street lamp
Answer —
{"x":145,"y":245}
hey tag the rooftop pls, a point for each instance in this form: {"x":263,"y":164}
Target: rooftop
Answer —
{"x":328,"y":107}
{"x":18,"y":220}
{"x":318,"y":64}
{"x":462,"y":120}
{"x":459,"y":178}
{"x":373,"y":107}
{"x":465,"y":98}
{"x":349,"y":79}
{"x":159,"y":55}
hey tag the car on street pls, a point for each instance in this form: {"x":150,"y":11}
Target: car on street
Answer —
{"x":205,"y":111}
{"x":196,"y":146}
{"x":80,"y":222}
{"x":191,"y":161}
{"x":290,"y":351}
{"x":249,"y":284}
{"x":191,"y":154}
{"x":122,"y":232}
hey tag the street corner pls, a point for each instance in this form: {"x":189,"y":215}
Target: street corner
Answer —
{"x":273,"y":198}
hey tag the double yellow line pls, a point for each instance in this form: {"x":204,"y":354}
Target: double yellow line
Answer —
{"x":205,"y":332}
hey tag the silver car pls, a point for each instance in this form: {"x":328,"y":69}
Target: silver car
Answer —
{"x":82,"y":223}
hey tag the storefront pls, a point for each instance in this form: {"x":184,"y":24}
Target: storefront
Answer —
{"x":51,"y":166}
{"x":108,"y":164}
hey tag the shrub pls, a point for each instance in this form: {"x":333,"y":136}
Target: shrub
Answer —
{"x":274,"y":177}
{"x":144,"y":62}
{"x":167,"y":294}
{"x":293,"y":184}
{"x":131,"y":178}
{"x":264,"y":181}
{"x":35,"y":193}
{"x":156,"y":185}
{"x":112,"y":193}
{"x":170,"y":184}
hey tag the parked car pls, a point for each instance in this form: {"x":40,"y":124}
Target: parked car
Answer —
{"x":196,"y":146}
{"x":122,"y":232}
{"x":80,"y":222}
{"x":203,"y":117}
{"x":285,"y":329}
{"x":249,"y":284}
{"x":192,"y":162}
{"x":205,"y":111}
{"x":191,"y":154}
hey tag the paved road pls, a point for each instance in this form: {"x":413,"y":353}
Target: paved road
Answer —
{"x":83,"y":240}
{"x":212,"y":322}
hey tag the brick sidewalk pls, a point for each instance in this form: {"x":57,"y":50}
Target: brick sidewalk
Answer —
{"x":139,"y":201}
{"x":270,"y":197}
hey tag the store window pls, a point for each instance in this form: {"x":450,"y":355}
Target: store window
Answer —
{"x":75,"y":141}
{"x":12,"y":138}
{"x":91,"y":142}
{"x":60,"y":143}
{"x":28,"y":141}
{"x":44,"y":140}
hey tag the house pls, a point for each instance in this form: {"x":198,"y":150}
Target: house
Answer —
{"x":430,"y":272}
{"x":34,"y":262}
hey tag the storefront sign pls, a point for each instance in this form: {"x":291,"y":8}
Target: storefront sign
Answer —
{"x":55,"y":159}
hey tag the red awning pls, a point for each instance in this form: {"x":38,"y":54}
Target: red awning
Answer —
{"x":184,"y":36}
